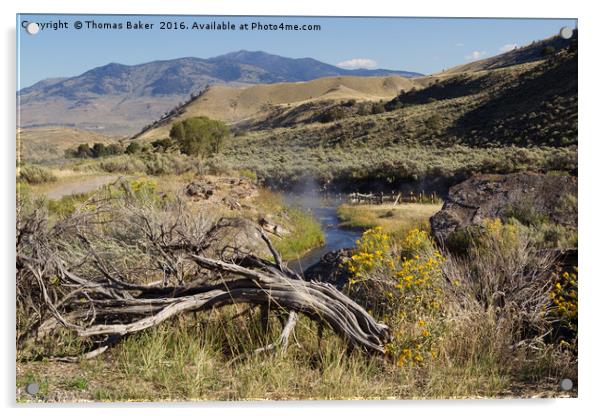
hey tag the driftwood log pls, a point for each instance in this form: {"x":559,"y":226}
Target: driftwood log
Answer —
{"x":107,"y":303}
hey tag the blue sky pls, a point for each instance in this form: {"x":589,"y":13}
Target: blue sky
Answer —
{"x":414,"y":44}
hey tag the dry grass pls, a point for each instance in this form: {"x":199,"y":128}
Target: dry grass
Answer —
{"x":392,"y":218}
{"x":207,"y":359}
{"x":50,"y":143}
{"x":234,"y":104}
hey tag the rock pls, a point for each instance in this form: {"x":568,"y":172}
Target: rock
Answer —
{"x":235,"y":234}
{"x":270,"y":226}
{"x":525,"y":196}
{"x":329,"y":269}
{"x":228,"y":190}
{"x":199,"y":189}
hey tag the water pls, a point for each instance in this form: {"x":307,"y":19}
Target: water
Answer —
{"x":324,"y":209}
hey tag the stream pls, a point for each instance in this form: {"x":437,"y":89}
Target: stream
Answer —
{"x":324,"y":209}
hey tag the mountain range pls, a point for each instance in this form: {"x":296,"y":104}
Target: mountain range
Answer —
{"x":120,"y":99}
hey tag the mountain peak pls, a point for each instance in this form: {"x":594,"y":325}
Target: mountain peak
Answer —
{"x":243,"y":53}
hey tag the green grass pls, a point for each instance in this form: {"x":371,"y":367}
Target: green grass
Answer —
{"x":303,"y":230}
{"x":31,"y":377}
{"x":67,"y":204}
{"x":307,"y":234}
{"x":35,"y":175}
{"x":78,"y":383}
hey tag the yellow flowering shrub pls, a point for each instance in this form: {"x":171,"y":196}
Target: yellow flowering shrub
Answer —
{"x":143,"y":186}
{"x":400,"y":282}
{"x":564,"y":298}
{"x":505,"y":236}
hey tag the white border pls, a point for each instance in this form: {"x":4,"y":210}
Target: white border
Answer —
{"x":589,"y":200}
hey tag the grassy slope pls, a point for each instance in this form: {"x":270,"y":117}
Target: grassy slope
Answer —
{"x":519,"y":55}
{"x":50,"y":143}
{"x":234,"y":104}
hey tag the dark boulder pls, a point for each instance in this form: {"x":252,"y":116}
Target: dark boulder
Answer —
{"x":200,"y":189}
{"x":330,"y":268}
{"x":528,"y":197}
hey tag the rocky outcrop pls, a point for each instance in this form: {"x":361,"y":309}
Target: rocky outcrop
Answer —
{"x":528,"y":197}
{"x":229,"y":191}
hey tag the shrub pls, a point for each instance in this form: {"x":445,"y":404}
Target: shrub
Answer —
{"x":67,"y":204}
{"x":167,"y":164}
{"x":34,"y":175}
{"x":99,"y":150}
{"x":199,"y":136}
{"x":114,"y":149}
{"x":564,"y":297}
{"x":363,"y":110}
{"x":548,"y":50}
{"x":434,"y":122}
{"x":163,"y":144}
{"x":83,"y":151}
{"x":401,"y":282}
{"x":133,"y":148}
{"x":123,"y":164}
{"x":378,"y":108}
{"x":526,"y":213}
{"x":505,"y":273}
{"x":332,"y":114}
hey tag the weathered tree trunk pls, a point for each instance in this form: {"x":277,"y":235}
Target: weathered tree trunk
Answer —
{"x":105,"y":308}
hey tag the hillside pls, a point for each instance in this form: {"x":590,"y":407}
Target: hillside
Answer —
{"x":520,"y":55}
{"x":493,"y":121}
{"x":236,"y":105}
{"x":49,"y":144}
{"x":120,"y":99}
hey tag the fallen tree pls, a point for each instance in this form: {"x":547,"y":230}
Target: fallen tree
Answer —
{"x":113,"y":269}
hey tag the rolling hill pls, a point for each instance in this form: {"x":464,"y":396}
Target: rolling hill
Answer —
{"x":236,"y":105}
{"x":120,"y":99}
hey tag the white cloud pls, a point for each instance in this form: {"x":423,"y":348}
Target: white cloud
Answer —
{"x":475,"y":55}
{"x":459,"y":44}
{"x":508,"y":47}
{"x":356,"y":63}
